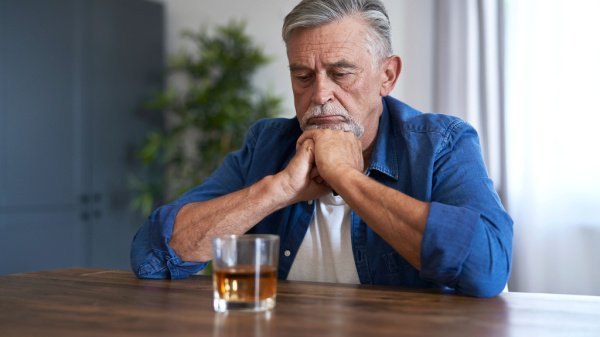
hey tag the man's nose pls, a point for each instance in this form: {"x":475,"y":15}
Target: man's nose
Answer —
{"x":322,"y":91}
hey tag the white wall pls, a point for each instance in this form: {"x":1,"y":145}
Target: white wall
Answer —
{"x":412,"y":39}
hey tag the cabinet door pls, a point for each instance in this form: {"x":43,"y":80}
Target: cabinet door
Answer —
{"x":40,"y":147}
{"x":73,"y":73}
{"x":126,"y":63}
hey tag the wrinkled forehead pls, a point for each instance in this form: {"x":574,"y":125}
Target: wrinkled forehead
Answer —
{"x":342,"y":39}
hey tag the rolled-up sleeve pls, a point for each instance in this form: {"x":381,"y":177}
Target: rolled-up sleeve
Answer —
{"x":467,"y":243}
{"x":151,"y":255}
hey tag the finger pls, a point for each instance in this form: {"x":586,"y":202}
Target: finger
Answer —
{"x":309,"y":146}
{"x":309,"y":134}
{"x":317,"y":178}
{"x":305,"y":158}
{"x":319,"y":190}
{"x":314,"y":172}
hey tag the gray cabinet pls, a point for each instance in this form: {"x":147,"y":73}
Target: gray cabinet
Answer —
{"x":73,"y":73}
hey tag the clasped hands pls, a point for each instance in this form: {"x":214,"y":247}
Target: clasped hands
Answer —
{"x":322,"y":158}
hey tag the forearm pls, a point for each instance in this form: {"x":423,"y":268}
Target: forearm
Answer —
{"x":476,"y":261}
{"x":396,"y":217}
{"x":235,"y":213}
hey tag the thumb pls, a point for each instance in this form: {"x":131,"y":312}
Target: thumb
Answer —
{"x":303,"y":160}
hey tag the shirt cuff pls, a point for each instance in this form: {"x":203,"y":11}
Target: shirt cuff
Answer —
{"x":163,"y":262}
{"x":446,"y":242}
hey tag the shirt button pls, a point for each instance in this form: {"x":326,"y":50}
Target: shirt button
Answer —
{"x":287,"y":253}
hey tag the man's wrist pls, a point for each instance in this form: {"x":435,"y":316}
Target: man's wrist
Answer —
{"x":343,"y":178}
{"x":279,"y":190}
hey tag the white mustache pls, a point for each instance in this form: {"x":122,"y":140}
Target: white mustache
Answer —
{"x":325,"y":110}
{"x":330,"y":109}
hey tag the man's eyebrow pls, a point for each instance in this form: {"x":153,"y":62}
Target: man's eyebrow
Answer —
{"x":342,"y":64}
{"x":338,"y":64}
{"x":298,"y":67}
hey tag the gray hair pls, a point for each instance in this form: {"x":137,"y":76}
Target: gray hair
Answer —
{"x":314,"y":13}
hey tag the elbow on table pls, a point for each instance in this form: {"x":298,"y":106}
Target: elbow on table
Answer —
{"x":483,"y":286}
{"x":486,"y":270}
{"x":144,"y":261}
{"x":145,"y":269}
{"x":148,"y":263}
{"x":141,"y":272}
{"x":482,"y":291}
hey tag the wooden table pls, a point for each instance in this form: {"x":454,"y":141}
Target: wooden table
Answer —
{"x":93,"y":302}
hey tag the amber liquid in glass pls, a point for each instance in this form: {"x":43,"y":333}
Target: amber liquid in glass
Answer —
{"x":243,"y":284}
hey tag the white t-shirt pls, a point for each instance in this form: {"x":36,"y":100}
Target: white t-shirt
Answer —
{"x":325,"y":254}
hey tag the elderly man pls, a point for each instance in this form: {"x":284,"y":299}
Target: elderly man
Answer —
{"x":360,"y":187}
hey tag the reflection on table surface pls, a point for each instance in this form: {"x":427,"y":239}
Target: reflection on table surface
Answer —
{"x":243,"y":324}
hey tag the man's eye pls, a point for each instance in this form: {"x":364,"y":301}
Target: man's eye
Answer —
{"x":303,"y":78}
{"x":339,"y":76}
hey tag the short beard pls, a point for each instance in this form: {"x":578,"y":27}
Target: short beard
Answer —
{"x":330,"y":109}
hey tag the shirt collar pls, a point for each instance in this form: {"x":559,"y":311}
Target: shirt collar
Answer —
{"x":384,"y":157}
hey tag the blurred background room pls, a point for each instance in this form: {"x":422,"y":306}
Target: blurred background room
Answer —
{"x":76,"y":77}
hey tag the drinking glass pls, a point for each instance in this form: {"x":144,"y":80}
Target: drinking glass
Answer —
{"x":245,"y":272}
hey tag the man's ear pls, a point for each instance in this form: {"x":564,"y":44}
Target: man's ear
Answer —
{"x":391,"y":68}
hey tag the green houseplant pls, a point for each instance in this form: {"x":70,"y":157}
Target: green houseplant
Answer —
{"x":208,"y":108}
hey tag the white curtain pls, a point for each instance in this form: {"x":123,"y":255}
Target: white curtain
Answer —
{"x":535,"y":108}
{"x":553,"y":165}
{"x":468,"y":73}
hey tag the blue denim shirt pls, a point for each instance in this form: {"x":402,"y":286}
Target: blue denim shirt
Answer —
{"x":467,"y":244}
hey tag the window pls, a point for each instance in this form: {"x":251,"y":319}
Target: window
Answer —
{"x":553,"y":143}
